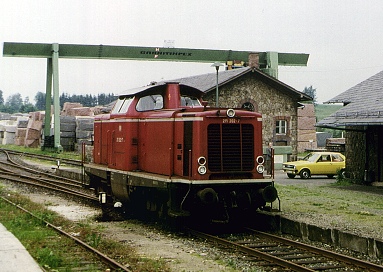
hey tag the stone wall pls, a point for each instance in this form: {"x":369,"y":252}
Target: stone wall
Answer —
{"x":355,"y":153}
{"x":273,"y":104}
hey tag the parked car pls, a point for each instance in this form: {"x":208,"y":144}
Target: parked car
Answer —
{"x":317,"y":163}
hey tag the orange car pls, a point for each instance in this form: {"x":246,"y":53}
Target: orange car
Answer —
{"x":316,"y":163}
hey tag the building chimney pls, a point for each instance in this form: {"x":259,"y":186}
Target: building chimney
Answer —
{"x":254,"y":60}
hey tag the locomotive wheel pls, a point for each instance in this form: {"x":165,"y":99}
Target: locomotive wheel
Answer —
{"x":162,"y":211}
{"x":291,"y":175}
{"x":305,"y":174}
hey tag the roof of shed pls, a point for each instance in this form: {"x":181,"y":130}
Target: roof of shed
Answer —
{"x":207,"y":82}
{"x":363,"y":105}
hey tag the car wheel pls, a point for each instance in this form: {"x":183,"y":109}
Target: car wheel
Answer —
{"x":305,"y":174}
{"x":330,"y":176}
{"x":291,"y":175}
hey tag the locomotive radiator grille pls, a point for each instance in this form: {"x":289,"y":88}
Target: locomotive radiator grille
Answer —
{"x":230,"y":147}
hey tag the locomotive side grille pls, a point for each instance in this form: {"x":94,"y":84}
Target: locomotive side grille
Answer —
{"x":230,"y":147}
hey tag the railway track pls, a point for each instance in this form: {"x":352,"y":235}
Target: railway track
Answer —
{"x":11,"y":170}
{"x":274,"y":253}
{"x":105,"y":263}
{"x":42,"y":157}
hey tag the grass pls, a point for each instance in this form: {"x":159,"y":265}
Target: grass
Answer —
{"x":356,"y":206}
{"x":55,"y":253}
{"x":324,"y":110}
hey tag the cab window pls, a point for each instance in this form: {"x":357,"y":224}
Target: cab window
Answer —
{"x":189,"y":101}
{"x":122,"y":105}
{"x":150,"y":102}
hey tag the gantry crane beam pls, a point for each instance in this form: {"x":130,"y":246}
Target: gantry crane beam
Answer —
{"x":78,"y":51}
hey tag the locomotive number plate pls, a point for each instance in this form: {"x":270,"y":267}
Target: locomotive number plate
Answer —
{"x":230,"y":121}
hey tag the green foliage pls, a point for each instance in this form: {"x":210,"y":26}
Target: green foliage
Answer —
{"x":14,"y":103}
{"x":48,"y":258}
{"x":310,"y":91}
{"x":324,"y":110}
{"x":87,"y":100}
{"x":1,"y":98}
{"x":40,"y":101}
{"x":93,"y":239}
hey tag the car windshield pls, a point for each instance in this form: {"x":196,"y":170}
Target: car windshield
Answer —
{"x":311,"y":157}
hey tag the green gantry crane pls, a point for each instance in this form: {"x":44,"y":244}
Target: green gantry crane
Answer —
{"x":268,"y":62}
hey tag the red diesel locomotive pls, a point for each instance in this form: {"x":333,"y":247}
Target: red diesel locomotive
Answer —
{"x":161,"y":149}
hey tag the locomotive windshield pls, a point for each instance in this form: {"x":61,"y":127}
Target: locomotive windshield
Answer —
{"x":150,"y":102}
{"x":189,"y":101}
{"x":122,"y":105}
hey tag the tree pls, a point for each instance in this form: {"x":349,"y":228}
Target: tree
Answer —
{"x":40,"y":101}
{"x":310,"y":91}
{"x":27,"y":106}
{"x":104,"y":99}
{"x":14,"y":103}
{"x":1,"y":98}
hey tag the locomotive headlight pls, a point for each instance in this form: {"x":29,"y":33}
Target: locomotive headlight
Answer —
{"x":230,"y":113}
{"x":201,"y":160}
{"x":260,"y":169}
{"x":260,"y":160}
{"x":202,"y":170}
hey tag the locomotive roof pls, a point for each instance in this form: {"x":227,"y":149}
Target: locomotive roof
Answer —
{"x":159,"y":87}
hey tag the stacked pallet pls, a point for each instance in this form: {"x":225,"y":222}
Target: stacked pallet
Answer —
{"x":84,"y":131}
{"x":21,"y":130}
{"x":67,"y":108}
{"x":68,"y":132}
{"x":5,"y":124}
{"x":34,"y":129}
{"x":76,"y":128}
{"x":9,"y":130}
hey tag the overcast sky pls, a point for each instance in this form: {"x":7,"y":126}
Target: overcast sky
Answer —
{"x":344,"y":40}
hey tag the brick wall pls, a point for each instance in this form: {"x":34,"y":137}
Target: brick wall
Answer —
{"x":306,"y":128}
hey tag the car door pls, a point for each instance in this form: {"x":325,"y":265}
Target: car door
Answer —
{"x":323,"y":165}
{"x":337,"y":163}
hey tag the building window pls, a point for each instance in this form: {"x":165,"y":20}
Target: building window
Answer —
{"x":248,"y":106}
{"x":281,"y":127}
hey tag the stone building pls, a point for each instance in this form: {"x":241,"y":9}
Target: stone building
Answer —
{"x":362,"y":119}
{"x":252,"y":89}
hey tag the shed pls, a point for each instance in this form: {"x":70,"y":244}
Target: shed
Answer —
{"x":362,"y":119}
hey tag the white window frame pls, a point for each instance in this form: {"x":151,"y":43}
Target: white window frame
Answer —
{"x":281,"y":127}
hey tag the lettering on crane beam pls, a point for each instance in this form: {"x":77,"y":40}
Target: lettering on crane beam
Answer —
{"x":186,"y":54}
